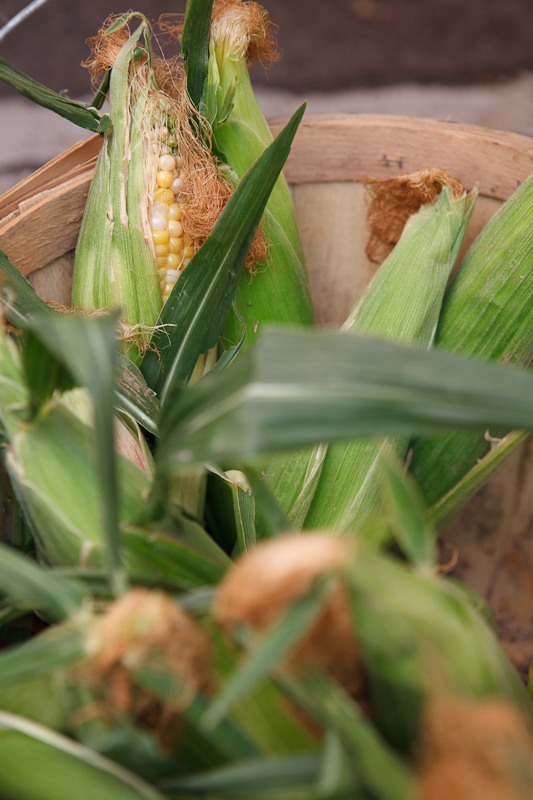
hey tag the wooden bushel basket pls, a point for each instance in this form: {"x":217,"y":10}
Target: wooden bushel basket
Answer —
{"x":493,"y":536}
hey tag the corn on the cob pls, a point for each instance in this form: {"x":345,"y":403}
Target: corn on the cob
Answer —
{"x":406,"y":635}
{"x":413,"y":278}
{"x":166,"y":226}
{"x":403,"y":303}
{"x":53,"y":462}
{"x":486,"y":314}
{"x":114,"y":265}
{"x":156,"y":192}
{"x":277,"y":291}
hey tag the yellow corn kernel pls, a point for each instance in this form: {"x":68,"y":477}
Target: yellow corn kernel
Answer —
{"x":175,"y":245}
{"x":175,"y":228}
{"x":174,"y":209}
{"x":188,"y":252}
{"x":187,"y":239}
{"x":160,"y":237}
{"x":164,"y":179}
{"x":164,"y":196}
{"x":161,"y":249}
{"x":173,"y":261}
{"x":161,"y":262}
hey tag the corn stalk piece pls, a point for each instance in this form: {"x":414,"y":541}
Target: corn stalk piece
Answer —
{"x":486,"y":314}
{"x":277,"y":290}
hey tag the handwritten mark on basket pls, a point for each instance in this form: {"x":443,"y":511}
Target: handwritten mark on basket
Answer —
{"x":389,"y":161}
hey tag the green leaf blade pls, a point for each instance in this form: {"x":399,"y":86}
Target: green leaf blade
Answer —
{"x":295,"y":389}
{"x":195,"y":46}
{"x":78,"y":113}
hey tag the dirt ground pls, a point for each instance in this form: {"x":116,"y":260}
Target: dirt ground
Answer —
{"x":326,"y":44}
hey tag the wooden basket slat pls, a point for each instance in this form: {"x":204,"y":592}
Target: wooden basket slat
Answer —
{"x":78,"y":158}
{"x":34,"y":236}
{"x":341,"y":147}
{"x":327,"y":149}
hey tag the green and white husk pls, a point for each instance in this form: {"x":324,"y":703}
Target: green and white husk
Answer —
{"x":115,"y":263}
{"x":486,"y":314}
{"x":52,"y":460}
{"x":53,"y":463}
{"x":339,"y":488}
{"x":277,"y":291}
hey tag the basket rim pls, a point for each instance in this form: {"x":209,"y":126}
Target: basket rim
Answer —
{"x":327,"y":148}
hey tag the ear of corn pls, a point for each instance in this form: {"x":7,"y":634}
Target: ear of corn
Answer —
{"x":132,"y":245}
{"x":14,"y":392}
{"x":53,"y":461}
{"x":115,"y":264}
{"x":129,"y":440}
{"x":410,"y":635}
{"x":277,"y":290}
{"x":487,"y":314}
{"x":403,"y":303}
{"x":455,"y":646}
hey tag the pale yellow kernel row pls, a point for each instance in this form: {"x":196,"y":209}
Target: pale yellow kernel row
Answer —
{"x":173,"y":248}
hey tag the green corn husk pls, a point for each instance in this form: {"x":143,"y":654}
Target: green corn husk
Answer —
{"x":53,"y":467}
{"x":114,"y":264}
{"x":402,"y":303}
{"x":413,"y":636}
{"x":128,"y":438}
{"x":486,"y":314}
{"x":52,"y":463}
{"x":14,"y":392}
{"x":65,"y":768}
{"x":278,"y":292}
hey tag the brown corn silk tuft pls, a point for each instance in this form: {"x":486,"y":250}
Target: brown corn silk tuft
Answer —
{"x":205,"y":192}
{"x":278,"y":572}
{"x":474,"y":750}
{"x":392,"y":201}
{"x":249,"y":29}
{"x":147,"y":629}
{"x":104,"y":50}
